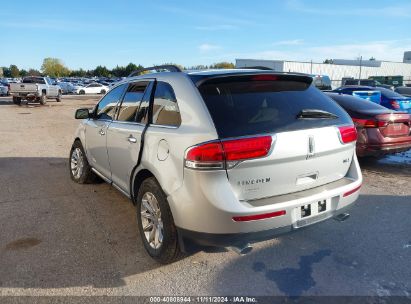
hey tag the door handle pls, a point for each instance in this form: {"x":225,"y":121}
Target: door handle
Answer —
{"x":101,"y":132}
{"x":132,"y":139}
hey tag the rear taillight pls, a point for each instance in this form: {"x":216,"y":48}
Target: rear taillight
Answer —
{"x":347,"y":134}
{"x":394,"y":104}
{"x":370,"y":123}
{"x":227,"y":153}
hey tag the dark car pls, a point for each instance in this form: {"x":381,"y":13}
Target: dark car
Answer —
{"x":389,"y":99}
{"x":380,"y":130}
{"x":367,"y":82}
{"x":404,"y":91}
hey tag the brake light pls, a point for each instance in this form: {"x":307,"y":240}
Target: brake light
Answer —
{"x":227,"y":153}
{"x":394,"y":104}
{"x":370,"y":123}
{"x":264,"y":78}
{"x":256,"y":217}
{"x":347,"y":134}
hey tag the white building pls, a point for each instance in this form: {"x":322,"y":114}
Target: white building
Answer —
{"x":339,"y":69}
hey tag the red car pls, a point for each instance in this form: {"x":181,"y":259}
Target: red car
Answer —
{"x":380,"y":130}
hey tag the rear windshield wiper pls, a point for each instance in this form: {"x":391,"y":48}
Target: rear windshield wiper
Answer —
{"x":315,"y":114}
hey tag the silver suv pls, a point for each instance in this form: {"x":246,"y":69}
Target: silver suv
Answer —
{"x":221,"y":158}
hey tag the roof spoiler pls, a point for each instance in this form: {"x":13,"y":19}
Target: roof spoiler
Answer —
{"x":157,"y":68}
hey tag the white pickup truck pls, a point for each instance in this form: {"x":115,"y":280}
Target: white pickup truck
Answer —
{"x":35,"y":89}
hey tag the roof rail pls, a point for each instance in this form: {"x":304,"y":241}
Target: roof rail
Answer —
{"x":158,"y":68}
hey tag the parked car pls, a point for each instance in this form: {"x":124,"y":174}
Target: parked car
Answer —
{"x":35,"y":89}
{"x":389,"y":99}
{"x":380,"y":130}
{"x":367,"y":82}
{"x":4,"y":90}
{"x":92,"y":88}
{"x":404,"y":91}
{"x":67,"y":88}
{"x":219,"y":158}
{"x":5,"y":87}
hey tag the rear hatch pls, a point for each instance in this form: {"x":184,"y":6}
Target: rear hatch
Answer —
{"x":307,"y":148}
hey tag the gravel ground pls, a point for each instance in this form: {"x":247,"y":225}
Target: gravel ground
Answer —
{"x":59,"y":238}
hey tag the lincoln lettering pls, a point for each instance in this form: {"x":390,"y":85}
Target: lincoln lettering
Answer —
{"x":254,"y":181}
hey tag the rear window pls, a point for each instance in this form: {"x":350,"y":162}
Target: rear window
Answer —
{"x":38,"y":80}
{"x":250,"y":105}
{"x":389,"y":93}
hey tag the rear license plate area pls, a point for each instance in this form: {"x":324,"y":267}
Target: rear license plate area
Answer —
{"x":313,"y":212}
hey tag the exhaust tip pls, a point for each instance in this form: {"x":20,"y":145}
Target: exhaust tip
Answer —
{"x":242,"y":250}
{"x":342,"y":217}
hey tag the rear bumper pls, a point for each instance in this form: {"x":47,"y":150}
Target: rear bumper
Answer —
{"x":187,"y":237}
{"x":383,"y":149}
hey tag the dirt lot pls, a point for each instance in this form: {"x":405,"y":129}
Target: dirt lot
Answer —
{"x":59,"y":238}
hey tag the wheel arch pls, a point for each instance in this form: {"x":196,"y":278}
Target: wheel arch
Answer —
{"x":137,"y":179}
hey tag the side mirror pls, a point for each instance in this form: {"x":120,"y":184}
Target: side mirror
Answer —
{"x":82,"y":114}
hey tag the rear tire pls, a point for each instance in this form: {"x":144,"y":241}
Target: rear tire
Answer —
{"x":81,"y":92}
{"x":16,"y":100}
{"x":43,"y":99}
{"x":80,"y":170}
{"x":103,"y":92}
{"x":156,"y":224}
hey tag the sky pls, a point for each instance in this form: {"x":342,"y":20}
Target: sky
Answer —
{"x":87,"y":33}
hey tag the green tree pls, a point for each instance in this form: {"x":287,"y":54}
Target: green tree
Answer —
{"x":101,"y":71}
{"x":33,"y":72}
{"x":1,"y":72}
{"x":14,"y":71}
{"x":328,"y":61}
{"x":222,"y":65}
{"x":54,"y":67}
{"x":23,"y":73}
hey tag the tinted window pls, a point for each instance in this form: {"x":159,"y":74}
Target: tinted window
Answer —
{"x":106,"y":108}
{"x":131,"y":101}
{"x":38,"y":80}
{"x":240,"y":106}
{"x":165,"y":108}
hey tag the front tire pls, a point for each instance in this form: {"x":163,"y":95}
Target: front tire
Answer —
{"x":58,"y":98}
{"x":82,"y":92}
{"x":80,"y":170}
{"x":156,"y":223}
{"x":103,"y":91}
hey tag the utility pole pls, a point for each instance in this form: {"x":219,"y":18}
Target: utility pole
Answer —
{"x":359,"y":78}
{"x":311,"y":67}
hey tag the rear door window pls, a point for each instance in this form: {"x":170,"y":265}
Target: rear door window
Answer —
{"x":250,"y":105}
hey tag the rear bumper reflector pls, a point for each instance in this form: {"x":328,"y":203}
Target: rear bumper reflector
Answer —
{"x":257,"y":217}
{"x":352,"y":191}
